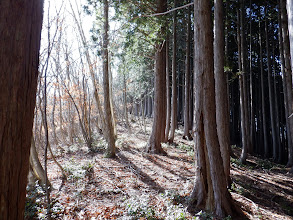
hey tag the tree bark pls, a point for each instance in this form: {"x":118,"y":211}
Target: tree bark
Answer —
{"x":288,"y":75}
{"x":264,"y":126}
{"x":287,"y":95}
{"x":252,"y":131}
{"x":271,"y":97}
{"x":210,"y":189}
{"x":186,"y":133}
{"x":110,"y":136}
{"x":243,"y":84}
{"x":159,"y":124}
{"x":174,"y":79}
{"x":290,"y":26}
{"x":222,"y":108}
{"x":20,"y":34}
{"x":168,"y":93}
{"x":37,"y":169}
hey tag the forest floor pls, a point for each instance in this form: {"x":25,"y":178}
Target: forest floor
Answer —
{"x":136,"y":185}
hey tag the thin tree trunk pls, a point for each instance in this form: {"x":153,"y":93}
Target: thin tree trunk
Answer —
{"x":125,"y":103}
{"x":174,"y":79}
{"x":252,"y":131}
{"x":264,"y":126}
{"x":37,"y":169}
{"x":53,"y":119}
{"x":242,"y":84}
{"x":276,"y":110}
{"x":271,"y":98}
{"x":168,"y":94}
{"x":186,"y":133}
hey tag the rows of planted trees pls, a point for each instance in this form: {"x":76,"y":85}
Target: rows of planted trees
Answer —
{"x":223,"y":73}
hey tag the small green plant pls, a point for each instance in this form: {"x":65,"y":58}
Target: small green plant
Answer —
{"x":77,"y":171}
{"x":204,"y":215}
{"x":186,"y":147}
{"x":139,"y":207}
{"x":265,"y":164}
{"x":237,"y":189}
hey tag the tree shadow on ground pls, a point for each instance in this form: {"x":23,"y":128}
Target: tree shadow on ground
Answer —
{"x":266,"y":194}
{"x":121,"y":158}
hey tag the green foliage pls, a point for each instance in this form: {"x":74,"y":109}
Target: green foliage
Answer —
{"x":186,"y":147}
{"x":35,"y":206}
{"x":268,"y":165}
{"x":237,"y":163}
{"x":237,"y":189}
{"x":34,"y":194}
{"x":139,"y":207}
{"x":77,"y":171}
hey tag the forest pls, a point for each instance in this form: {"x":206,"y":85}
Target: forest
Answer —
{"x":146,"y":109}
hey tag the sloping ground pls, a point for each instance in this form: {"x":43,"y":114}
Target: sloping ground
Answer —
{"x":264,"y":188}
{"x":136,"y":185}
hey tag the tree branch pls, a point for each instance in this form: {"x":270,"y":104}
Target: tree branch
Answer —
{"x":166,"y":12}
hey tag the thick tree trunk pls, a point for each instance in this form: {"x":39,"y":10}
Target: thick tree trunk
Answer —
{"x":174,"y":79}
{"x":222,"y":108}
{"x":210,"y":189}
{"x":20,"y":33}
{"x":290,"y":26}
{"x":109,"y":129}
{"x":159,"y":124}
{"x":288,"y":74}
{"x":186,"y":133}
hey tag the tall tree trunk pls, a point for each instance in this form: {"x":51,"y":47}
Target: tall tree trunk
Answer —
{"x":174,"y":79}
{"x":186,"y":133}
{"x":125,"y":109}
{"x":20,"y":36}
{"x":290,"y":26}
{"x":271,"y":97}
{"x":252,"y":131}
{"x":288,"y":74}
{"x":277,"y":113}
{"x":263,"y":108}
{"x":110,"y":151}
{"x":222,"y":108}
{"x":210,"y":189}
{"x":243,"y":84}
{"x":159,"y":124}
{"x":168,"y":93}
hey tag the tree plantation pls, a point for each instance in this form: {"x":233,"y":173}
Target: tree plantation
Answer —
{"x":150,"y":109}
